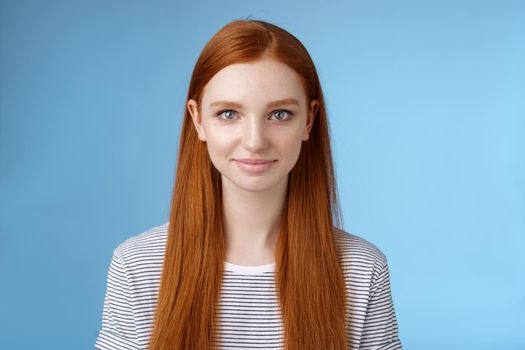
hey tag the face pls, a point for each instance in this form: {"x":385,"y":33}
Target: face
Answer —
{"x":250,"y":113}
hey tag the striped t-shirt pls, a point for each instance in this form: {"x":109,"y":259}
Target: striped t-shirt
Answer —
{"x":249,"y":315}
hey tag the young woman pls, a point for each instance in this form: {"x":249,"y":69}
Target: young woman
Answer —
{"x":252,"y":256}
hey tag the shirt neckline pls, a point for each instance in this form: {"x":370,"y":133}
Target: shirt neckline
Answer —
{"x":249,"y":270}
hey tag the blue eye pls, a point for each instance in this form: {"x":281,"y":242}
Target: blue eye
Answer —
{"x":224,"y":113}
{"x":281,"y":111}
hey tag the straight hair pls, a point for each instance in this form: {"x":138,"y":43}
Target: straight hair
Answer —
{"x":308,"y":278}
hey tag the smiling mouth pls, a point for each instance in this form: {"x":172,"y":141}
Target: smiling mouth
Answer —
{"x":254,"y":161}
{"x":254,"y":166}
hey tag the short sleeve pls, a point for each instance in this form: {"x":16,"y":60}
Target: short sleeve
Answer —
{"x":118,"y":330}
{"x":380,"y":330}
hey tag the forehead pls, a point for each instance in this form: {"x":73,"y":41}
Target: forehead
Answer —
{"x":254,"y":82}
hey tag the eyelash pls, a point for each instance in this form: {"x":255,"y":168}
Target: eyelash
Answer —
{"x":290,"y":114}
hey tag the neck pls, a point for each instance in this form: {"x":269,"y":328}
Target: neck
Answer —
{"x":252,"y":222}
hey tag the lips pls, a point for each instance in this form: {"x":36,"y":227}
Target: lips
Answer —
{"x":254,"y":161}
{"x":254,"y":166}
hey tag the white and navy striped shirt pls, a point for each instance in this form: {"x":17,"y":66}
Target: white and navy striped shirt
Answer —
{"x":249,"y":315}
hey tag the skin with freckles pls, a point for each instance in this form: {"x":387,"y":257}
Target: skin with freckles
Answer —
{"x":253,"y":130}
{"x":255,"y":110}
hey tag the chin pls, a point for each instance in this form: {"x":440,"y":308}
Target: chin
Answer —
{"x":251,"y":183}
{"x":258,"y":186}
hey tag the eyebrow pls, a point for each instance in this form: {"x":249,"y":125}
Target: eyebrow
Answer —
{"x":286,"y":101}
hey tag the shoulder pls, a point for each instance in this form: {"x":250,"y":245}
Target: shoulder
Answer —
{"x":151,"y":240}
{"x":142,"y":253}
{"x":358,"y":254}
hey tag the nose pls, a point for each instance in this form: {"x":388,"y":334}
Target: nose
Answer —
{"x":254,"y":137}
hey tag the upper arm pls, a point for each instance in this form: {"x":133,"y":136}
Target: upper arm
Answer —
{"x":380,"y":330}
{"x":118,"y":322}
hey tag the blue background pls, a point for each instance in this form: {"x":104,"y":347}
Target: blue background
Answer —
{"x":426,"y":101}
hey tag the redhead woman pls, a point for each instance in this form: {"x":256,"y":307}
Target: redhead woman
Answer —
{"x":252,"y":256}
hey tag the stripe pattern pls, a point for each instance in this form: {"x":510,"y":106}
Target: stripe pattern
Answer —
{"x":249,"y":316}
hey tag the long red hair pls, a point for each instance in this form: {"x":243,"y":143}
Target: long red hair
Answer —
{"x":309,"y":281}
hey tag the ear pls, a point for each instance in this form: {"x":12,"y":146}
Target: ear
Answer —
{"x":310,"y":117}
{"x":196,"y":118}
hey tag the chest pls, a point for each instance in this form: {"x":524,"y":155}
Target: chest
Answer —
{"x":248,"y":314}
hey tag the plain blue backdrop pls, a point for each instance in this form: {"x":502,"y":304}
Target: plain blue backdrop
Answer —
{"x":426,"y":103}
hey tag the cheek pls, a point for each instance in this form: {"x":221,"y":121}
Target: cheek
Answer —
{"x":218,"y":144}
{"x":291,"y":144}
